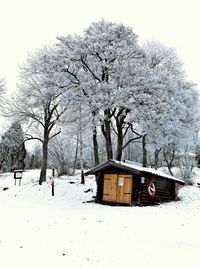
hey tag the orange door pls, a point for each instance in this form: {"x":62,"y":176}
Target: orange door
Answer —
{"x":118,"y":188}
{"x":110,"y":187}
{"x":124,"y":189}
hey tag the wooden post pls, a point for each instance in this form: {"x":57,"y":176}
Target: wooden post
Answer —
{"x":142,"y":181}
{"x":52,"y":187}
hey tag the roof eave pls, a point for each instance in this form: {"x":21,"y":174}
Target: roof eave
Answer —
{"x":165,"y":177}
{"x":113,"y":164}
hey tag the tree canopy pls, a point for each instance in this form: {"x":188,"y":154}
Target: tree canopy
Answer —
{"x":126,"y":92}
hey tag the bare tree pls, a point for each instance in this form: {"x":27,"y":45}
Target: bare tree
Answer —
{"x":39,"y":101}
{"x":60,"y":154}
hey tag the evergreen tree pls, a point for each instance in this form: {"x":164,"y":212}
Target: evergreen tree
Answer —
{"x":12,"y":149}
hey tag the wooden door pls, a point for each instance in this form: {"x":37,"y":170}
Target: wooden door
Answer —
{"x":118,"y":188}
{"x":110,"y":187}
{"x":124,"y":189}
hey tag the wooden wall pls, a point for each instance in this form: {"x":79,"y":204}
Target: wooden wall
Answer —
{"x":165,"y":188}
{"x":100,"y":183}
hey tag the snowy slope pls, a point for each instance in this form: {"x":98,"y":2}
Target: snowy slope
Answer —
{"x":37,"y":229}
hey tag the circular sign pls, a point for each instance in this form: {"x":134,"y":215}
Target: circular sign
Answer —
{"x":151,"y":189}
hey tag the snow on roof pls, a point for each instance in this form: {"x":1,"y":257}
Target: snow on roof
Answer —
{"x":133,"y":167}
{"x":150,"y":170}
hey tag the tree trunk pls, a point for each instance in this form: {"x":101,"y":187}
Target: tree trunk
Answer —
{"x":129,"y":152}
{"x":156,"y":158}
{"x":119,"y":144}
{"x":107,"y":135}
{"x":171,"y":156}
{"x":44,"y":159}
{"x":120,"y":122}
{"x":169,"y":166}
{"x":81,"y":156}
{"x":76,"y":156}
{"x":144,"y":150}
{"x":95,"y":146}
{"x":108,"y":141}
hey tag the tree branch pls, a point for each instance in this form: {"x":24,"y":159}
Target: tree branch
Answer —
{"x":126,"y":130}
{"x":88,"y":68}
{"x":130,"y":140}
{"x":54,"y":135}
{"x":33,"y":138}
{"x":131,"y":126}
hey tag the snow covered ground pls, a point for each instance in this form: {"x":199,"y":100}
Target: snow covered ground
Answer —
{"x":39,"y":230}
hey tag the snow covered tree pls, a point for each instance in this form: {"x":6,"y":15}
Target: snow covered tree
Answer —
{"x":99,"y":63}
{"x":66,"y":153}
{"x":169,"y":103}
{"x":125,"y":91}
{"x":34,"y":158}
{"x":12,"y":149}
{"x":60,"y":155}
{"x":126,"y":88}
{"x":39,"y":102}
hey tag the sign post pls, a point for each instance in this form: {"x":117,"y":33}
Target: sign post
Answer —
{"x":52,"y":185}
{"x":142,"y":181}
{"x":18,"y":176}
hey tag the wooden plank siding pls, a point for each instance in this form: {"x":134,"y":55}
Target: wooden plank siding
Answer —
{"x":128,"y":195}
{"x":124,"y":192}
{"x":117,"y":188}
{"x":110,"y":187}
{"x":165,"y":191}
{"x":100,"y":183}
{"x":133,"y":192}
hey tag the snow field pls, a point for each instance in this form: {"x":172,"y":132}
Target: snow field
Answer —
{"x":37,"y":229}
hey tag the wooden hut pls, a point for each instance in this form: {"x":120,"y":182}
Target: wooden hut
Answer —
{"x":132,"y":184}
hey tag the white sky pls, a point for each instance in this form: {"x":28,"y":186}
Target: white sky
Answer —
{"x":27,"y":24}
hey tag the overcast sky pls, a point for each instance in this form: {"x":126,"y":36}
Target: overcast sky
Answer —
{"x":27,"y":24}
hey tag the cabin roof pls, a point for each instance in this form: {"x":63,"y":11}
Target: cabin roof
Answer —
{"x":133,"y":168}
